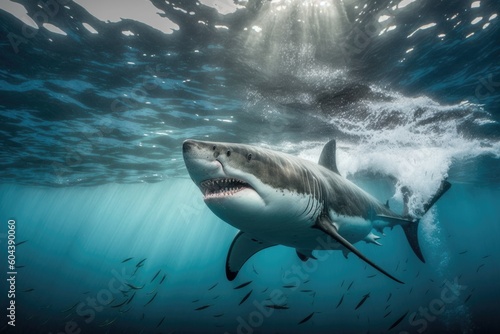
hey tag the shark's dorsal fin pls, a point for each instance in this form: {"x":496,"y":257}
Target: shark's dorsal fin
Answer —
{"x":328,"y":158}
{"x":324,"y":224}
{"x":242,"y":248}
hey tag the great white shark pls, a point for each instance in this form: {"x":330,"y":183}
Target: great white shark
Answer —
{"x":278,"y":199}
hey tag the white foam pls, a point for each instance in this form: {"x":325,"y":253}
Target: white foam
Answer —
{"x":413,"y":140}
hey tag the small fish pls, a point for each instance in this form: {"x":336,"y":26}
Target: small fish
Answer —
{"x":342,"y":284}
{"x":213,"y":286}
{"x":387,"y":306}
{"x":264,"y":290}
{"x":426,"y":292}
{"x":70,"y":308}
{"x":107,"y":322}
{"x":118,"y":305}
{"x":254,"y":270}
{"x":29,"y":290}
{"x":202,"y":307}
{"x":19,"y":267}
{"x":21,"y":242}
{"x":398,"y":321}
{"x":218,"y":315}
{"x":141,"y":263}
{"x":417,"y":274}
{"x":306,"y":281}
{"x":411,"y":290}
{"x":161,"y":321}
{"x":486,"y":256}
{"x":480,"y":266}
{"x":215,"y":297}
{"x":463,"y":252}
{"x":389,"y":297}
{"x":306,"y":318}
{"x":195,"y":301}
{"x":467,"y":299}
{"x":340,"y":301}
{"x":307,"y":290}
{"x":362,"y":301}
{"x":135,"y":287}
{"x":397,"y":267}
{"x":127,"y":259}
{"x":245,"y":298}
{"x":152,"y":291}
{"x":130,"y":299}
{"x":277,"y":307}
{"x":126,"y":310}
{"x":163,"y":278}
{"x":242,"y":285}
{"x":85,"y":293}
{"x":350,"y":285}
{"x":151,"y":299}
{"x":387,"y":314}
{"x":371,"y":276}
{"x":157,"y":273}
{"x":290,"y":286}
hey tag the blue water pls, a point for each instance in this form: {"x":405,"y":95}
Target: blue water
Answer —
{"x":92,"y":122}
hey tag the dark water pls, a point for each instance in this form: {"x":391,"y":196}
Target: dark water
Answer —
{"x":92,"y":122}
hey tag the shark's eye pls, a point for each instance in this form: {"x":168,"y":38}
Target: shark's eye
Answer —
{"x":214,"y":147}
{"x":249,"y":156}
{"x":228,"y":153}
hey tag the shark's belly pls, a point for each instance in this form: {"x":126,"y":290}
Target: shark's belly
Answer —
{"x":303,"y":235}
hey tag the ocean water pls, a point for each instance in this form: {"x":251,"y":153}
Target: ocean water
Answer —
{"x":112,"y":235}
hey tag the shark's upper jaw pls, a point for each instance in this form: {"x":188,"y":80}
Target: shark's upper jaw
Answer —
{"x":222,"y":187}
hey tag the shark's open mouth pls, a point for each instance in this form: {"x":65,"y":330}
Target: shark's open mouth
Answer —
{"x":223,"y":187}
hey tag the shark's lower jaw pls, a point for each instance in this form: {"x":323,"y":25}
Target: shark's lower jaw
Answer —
{"x":222,"y":187}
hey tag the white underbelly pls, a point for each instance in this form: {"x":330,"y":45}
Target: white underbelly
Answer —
{"x":303,"y":235}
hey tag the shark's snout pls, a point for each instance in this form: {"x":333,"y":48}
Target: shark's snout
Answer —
{"x":200,"y":161}
{"x":187,"y":146}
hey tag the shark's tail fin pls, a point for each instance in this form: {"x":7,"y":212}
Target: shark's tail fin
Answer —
{"x":411,"y":230}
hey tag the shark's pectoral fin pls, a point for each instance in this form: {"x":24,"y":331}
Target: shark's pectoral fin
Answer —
{"x":242,"y":248}
{"x":305,"y":254}
{"x":325,"y":225}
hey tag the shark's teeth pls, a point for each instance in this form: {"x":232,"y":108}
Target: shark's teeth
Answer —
{"x":223,"y":187}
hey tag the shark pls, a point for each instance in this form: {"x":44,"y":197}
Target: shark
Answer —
{"x":274,"y":198}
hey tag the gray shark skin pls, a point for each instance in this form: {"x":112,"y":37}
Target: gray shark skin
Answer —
{"x":277,"y":199}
